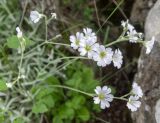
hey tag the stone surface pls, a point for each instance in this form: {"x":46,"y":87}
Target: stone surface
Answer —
{"x":148,"y":75}
{"x":140,"y":10}
{"x":157,"y":111}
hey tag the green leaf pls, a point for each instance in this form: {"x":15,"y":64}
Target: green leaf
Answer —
{"x":83,"y":114}
{"x":96,"y":108}
{"x":75,"y":80}
{"x":57,"y":119}
{"x":39,"y":107}
{"x":66,"y":112}
{"x":76,"y":103}
{"x":2,"y":118}
{"x":52,"y":80}
{"x":83,"y":79}
{"x":44,"y":92}
{"x":49,"y":101}
{"x":44,"y":101}
{"x":3,"y":85}
{"x":88,"y":82}
{"x":13,"y":42}
{"x":19,"y":120}
{"x":28,"y":42}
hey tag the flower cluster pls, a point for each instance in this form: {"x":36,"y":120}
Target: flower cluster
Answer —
{"x":86,"y":44}
{"x":21,"y":39}
{"x":104,"y":97}
{"x":132,"y":34}
{"x":136,"y":93}
{"x":35,"y":16}
{"x":135,"y":37}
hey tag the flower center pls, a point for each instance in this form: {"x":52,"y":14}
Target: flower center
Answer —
{"x":77,"y":42}
{"x":101,"y":96}
{"x":102,"y":54}
{"x":88,"y":48}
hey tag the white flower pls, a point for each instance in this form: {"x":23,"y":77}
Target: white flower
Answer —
{"x":35,"y":16}
{"x":23,"y":76}
{"x":75,"y":40}
{"x":124,"y":23}
{"x":127,"y":25}
{"x":87,"y":47}
{"x":133,"y":104}
{"x":89,"y":34}
{"x":19,"y":32}
{"x":117,"y":58}
{"x":149,"y":45}
{"x":131,"y":32}
{"x":103,"y":96}
{"x":103,"y":55}
{"x":136,"y":90}
{"x":130,"y":27}
{"x":54,"y":15}
{"x":133,"y":36}
{"x":9,"y":85}
{"x":140,"y":35}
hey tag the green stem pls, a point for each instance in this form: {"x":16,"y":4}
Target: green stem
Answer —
{"x":47,"y":42}
{"x":120,"y":98}
{"x":23,"y":13}
{"x":126,"y":95}
{"x":72,"y":89}
{"x":140,"y":42}
{"x":100,"y":119}
{"x":122,"y":39}
{"x":120,"y":3}
{"x":57,"y":36}
{"x":117,"y":41}
{"x":46,"y":25}
{"x":73,"y":57}
{"x":8,"y":11}
{"x":20,"y":64}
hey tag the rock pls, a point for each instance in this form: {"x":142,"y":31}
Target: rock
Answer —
{"x":148,"y":75}
{"x":157,"y":111}
{"x":140,"y":10}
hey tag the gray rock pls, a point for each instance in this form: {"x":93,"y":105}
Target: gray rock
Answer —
{"x":140,"y":10}
{"x":148,"y":75}
{"x":157,"y":111}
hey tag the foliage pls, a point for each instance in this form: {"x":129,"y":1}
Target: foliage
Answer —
{"x":65,"y":105}
{"x":13,"y":42}
{"x":34,"y":97}
{"x":3,"y":85}
{"x":39,"y":81}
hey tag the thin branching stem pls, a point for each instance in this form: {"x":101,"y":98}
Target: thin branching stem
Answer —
{"x":120,"y":98}
{"x":46,"y":26}
{"x":72,"y":89}
{"x":126,"y":95}
{"x":20,"y":64}
{"x":117,"y":41}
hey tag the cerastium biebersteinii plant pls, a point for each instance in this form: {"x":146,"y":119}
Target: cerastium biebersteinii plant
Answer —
{"x":84,"y":42}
